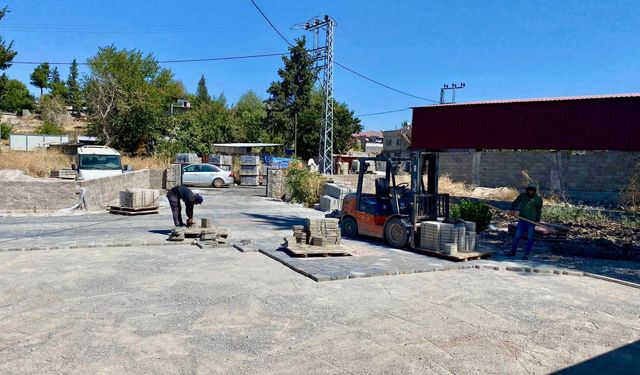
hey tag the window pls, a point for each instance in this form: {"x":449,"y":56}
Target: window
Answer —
{"x":397,"y":142}
{"x":207,"y":168}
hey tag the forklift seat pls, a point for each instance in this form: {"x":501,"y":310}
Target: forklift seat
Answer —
{"x":382,"y":188}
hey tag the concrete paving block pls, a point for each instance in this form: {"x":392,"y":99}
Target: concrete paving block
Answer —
{"x":320,"y":278}
{"x":515,"y":269}
{"x":573,"y":273}
{"x":490,"y":267}
{"x":545,"y":271}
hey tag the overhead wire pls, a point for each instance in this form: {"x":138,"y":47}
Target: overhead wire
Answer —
{"x":384,"y":112}
{"x":340,"y":65}
{"x":221,"y":58}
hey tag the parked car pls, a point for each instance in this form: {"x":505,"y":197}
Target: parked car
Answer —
{"x":203,"y":174}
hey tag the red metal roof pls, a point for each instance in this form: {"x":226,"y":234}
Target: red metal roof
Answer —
{"x":368,"y":133}
{"x":606,"y":122}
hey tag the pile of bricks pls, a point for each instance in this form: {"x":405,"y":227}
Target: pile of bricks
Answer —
{"x":172,"y":176}
{"x":333,"y":196}
{"x":448,"y":238}
{"x":250,"y":170}
{"x":317,"y":232}
{"x":139,"y":198}
{"x":224,"y":162}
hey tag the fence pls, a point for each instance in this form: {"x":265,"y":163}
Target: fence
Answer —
{"x":23,"y":142}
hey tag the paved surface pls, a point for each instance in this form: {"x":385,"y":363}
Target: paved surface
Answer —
{"x":180,"y":309}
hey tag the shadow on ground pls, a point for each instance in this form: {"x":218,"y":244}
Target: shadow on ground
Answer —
{"x":279,"y":221}
{"x":624,"y":360}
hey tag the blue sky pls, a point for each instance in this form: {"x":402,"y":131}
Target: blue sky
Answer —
{"x":500,"y":49}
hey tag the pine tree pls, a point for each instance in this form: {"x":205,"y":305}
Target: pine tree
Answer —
{"x":55,"y":76}
{"x":40,"y":77}
{"x":74,"y":94}
{"x":6,"y":52}
{"x":202,"y":94}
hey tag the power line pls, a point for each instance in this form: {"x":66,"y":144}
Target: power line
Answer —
{"x":222,"y":58}
{"x":384,"y":112}
{"x":270,"y":23}
{"x":340,"y":65}
{"x":383,"y":85}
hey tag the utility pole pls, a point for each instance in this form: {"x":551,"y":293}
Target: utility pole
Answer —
{"x":453,"y":88}
{"x":322,"y":53}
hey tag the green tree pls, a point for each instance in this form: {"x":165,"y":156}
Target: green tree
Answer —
{"x":309,"y":126}
{"x":249,"y":116}
{"x":128,"y":95}
{"x":14,"y":95}
{"x":74,"y":94}
{"x":52,"y":109}
{"x":202,"y":94}
{"x":57,"y":86}
{"x":6,"y":52}
{"x":289,"y":96}
{"x":40,"y":77}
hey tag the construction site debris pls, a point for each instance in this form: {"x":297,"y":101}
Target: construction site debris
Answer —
{"x":67,"y":174}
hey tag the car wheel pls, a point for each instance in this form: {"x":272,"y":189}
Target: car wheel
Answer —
{"x":349,"y":227}
{"x":218,"y":183}
{"x":396,"y":233}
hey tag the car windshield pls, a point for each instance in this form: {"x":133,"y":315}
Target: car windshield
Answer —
{"x":101,"y":162}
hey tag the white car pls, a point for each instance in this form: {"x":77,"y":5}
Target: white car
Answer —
{"x":206,"y":175}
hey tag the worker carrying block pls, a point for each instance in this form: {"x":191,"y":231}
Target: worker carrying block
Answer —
{"x":175,"y":195}
{"x":529,"y":211}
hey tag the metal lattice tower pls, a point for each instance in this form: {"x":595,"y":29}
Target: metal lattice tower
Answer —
{"x":322,"y":53}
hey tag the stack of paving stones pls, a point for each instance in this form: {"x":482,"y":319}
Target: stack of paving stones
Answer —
{"x":212,"y":236}
{"x":250,"y":170}
{"x":173,"y":176}
{"x":448,"y":238}
{"x":323,"y":232}
{"x":333,"y":196}
{"x":139,"y":198}
{"x":224,"y":162}
{"x":68,"y":174}
{"x":299,"y":234}
{"x":188,"y":158}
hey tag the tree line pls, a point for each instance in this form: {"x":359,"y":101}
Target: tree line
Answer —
{"x":126,"y":97}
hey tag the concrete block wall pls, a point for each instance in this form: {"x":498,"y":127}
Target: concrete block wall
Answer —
{"x":37,"y":195}
{"x":102,"y":192}
{"x":589,"y":176}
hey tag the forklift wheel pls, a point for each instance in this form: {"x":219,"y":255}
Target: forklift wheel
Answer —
{"x":396,"y":233}
{"x":349,"y":227}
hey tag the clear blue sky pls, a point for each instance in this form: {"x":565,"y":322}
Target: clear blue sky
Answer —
{"x":500,"y":49}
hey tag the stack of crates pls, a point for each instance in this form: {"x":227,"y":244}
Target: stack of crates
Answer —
{"x":188,"y":158}
{"x":224,"y":162}
{"x":250,"y":170}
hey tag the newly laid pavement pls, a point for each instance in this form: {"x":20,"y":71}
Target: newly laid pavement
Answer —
{"x":109,"y":295}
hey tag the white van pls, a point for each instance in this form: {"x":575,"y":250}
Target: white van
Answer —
{"x":97,"y":161}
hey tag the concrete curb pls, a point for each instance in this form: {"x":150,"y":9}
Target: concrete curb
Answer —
{"x":93,"y":246}
{"x":612,"y":280}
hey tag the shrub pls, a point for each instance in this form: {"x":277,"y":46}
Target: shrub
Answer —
{"x":5,"y":131}
{"x":305,"y":186}
{"x":574,"y":215}
{"x":474,"y":211}
{"x":49,"y":128}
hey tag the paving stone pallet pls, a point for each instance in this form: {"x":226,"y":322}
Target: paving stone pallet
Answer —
{"x":302,"y":250}
{"x":457,"y":257}
{"x":132,"y":211}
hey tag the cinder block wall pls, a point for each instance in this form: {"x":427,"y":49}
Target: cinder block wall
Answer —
{"x":37,"y":195}
{"x":589,"y":176}
{"x":105,"y":191}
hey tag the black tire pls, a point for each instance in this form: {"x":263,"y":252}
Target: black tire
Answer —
{"x":349,"y":227}
{"x":218,"y":183}
{"x":396,"y":233}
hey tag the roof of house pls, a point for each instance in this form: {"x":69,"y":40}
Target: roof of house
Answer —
{"x":368,"y":133}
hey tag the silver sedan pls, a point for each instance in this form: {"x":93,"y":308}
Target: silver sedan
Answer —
{"x":206,"y":175}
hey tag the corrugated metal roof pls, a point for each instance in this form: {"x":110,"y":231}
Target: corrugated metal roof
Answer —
{"x":605,"y":122}
{"x":534,"y":100}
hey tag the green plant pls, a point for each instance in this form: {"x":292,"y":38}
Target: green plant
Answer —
{"x":305,"y":186}
{"x":475,"y":211}
{"x":5,"y":130}
{"x":49,"y":128}
{"x":575,"y":215}
{"x":454,"y":212}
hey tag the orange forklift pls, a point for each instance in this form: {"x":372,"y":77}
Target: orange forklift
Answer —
{"x":395,"y":211}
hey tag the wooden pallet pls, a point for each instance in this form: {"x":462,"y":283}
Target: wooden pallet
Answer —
{"x":459,"y":257}
{"x":299,"y":250}
{"x":133,"y":211}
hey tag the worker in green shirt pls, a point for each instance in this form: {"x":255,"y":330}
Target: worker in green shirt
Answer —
{"x":528,"y":205}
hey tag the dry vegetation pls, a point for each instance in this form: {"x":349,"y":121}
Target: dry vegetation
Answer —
{"x":35,"y":163}
{"x":460,"y":189}
{"x":41,"y":163}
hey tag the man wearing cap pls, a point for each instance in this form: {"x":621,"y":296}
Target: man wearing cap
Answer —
{"x":189,"y":198}
{"x":528,"y":205}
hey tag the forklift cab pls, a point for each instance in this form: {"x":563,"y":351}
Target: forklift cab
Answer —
{"x":392,"y":210}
